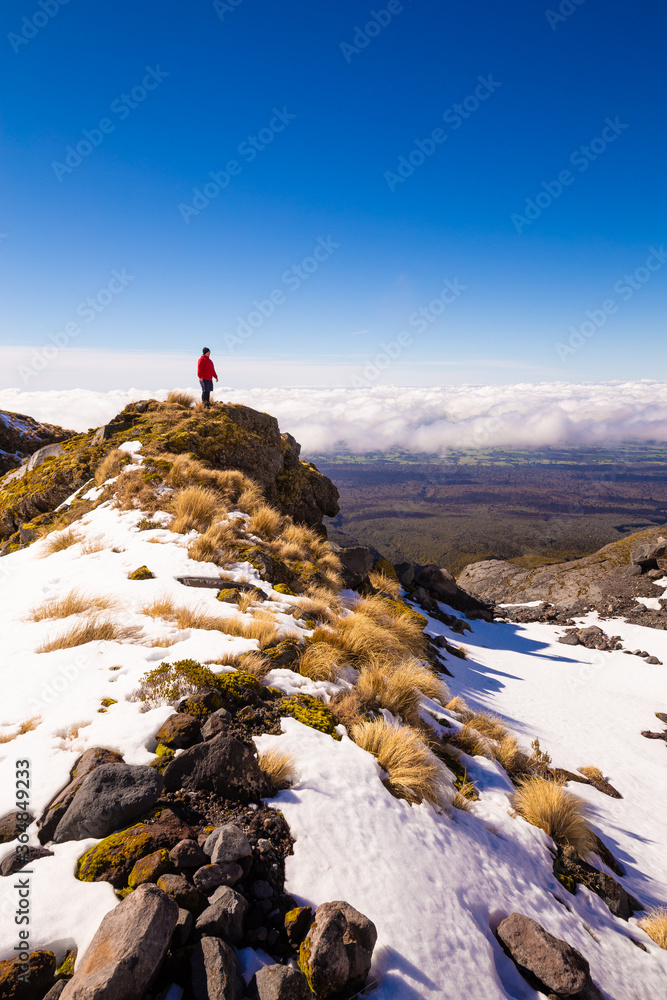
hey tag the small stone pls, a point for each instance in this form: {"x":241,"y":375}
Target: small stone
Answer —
{"x":229,"y":843}
{"x":183,"y":929}
{"x":179,"y":731}
{"x":211,"y":877}
{"x":279,"y":982}
{"x":297,"y":922}
{"x":217,"y":722}
{"x":555,"y":963}
{"x":181,"y":890}
{"x":200,"y":705}
{"x":264,"y":845}
{"x":224,"y":915}
{"x":654,"y":660}
{"x":261,"y":889}
{"x":187,"y":854}
{"x":15,"y":861}
{"x":215,"y":971}
{"x":149,"y":869}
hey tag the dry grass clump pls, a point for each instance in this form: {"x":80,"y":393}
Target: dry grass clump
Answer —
{"x":195,"y":508}
{"x":320,"y":662}
{"x":91,"y":631}
{"x":134,"y":492}
{"x":414,"y":772}
{"x":396,"y":692}
{"x":161,"y":607}
{"x":181,"y":398}
{"x":346,"y":708}
{"x":592,"y":773}
{"x":470,"y":741}
{"x":487,"y":725}
{"x":509,"y":755}
{"x":265,"y":522}
{"x":655,"y":925}
{"x":93,"y":545}
{"x":60,"y":540}
{"x":559,"y":813}
{"x":264,"y":630}
{"x":251,"y":498}
{"x":25,"y":727}
{"x":376,"y":628}
{"x":385,"y":584}
{"x":110,"y":466}
{"x":458,"y":705}
{"x":278,"y":766}
{"x":254,"y":663}
{"x":261,"y":629}
{"x":322,"y":604}
{"x":244,"y":601}
{"x":73,"y":603}
{"x":216,"y":545}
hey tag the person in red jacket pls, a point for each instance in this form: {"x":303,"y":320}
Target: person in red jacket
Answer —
{"x":206,"y":373}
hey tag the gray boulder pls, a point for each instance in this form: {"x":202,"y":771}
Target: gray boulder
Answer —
{"x":19,"y":858}
{"x":437,"y":580}
{"x":127,"y":949}
{"x":217,"y":722}
{"x":223,"y":765}
{"x":224,"y":915}
{"x":337,"y":952}
{"x":555,"y":963}
{"x":110,"y":797}
{"x":227,"y":844}
{"x":208,"y":878}
{"x":647,"y":555}
{"x":215,"y":971}
{"x":279,"y":982}
{"x":187,"y":854}
{"x":60,"y":803}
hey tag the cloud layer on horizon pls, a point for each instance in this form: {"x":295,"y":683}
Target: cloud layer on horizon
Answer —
{"x":421,"y":419}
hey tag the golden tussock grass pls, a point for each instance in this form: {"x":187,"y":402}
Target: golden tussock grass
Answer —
{"x":265,"y":522}
{"x":396,"y":692}
{"x":244,"y":601}
{"x":73,"y":603}
{"x":254,"y":663}
{"x":162,"y":643}
{"x":655,"y":925}
{"x":319,"y":662}
{"x":161,"y":607}
{"x":321,"y":603}
{"x":91,"y":631}
{"x":509,"y":755}
{"x":200,"y":617}
{"x":216,"y":545}
{"x":413,"y":770}
{"x":469,"y":741}
{"x":110,"y":466}
{"x":93,"y":545}
{"x":195,"y":508}
{"x":180,"y":398}
{"x":559,"y":813}
{"x":461,"y":802}
{"x":346,"y":708}
{"x":278,"y":766}
{"x":373,"y":630}
{"x":60,"y":540}
{"x":261,"y":629}
{"x":132,"y":492}
{"x":458,"y":705}
{"x":592,"y":773}
{"x":385,"y":584}
{"x":487,"y":725}
{"x":25,"y":727}
{"x":251,"y":498}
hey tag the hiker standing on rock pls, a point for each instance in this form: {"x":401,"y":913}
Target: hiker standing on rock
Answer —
{"x":206,"y":373}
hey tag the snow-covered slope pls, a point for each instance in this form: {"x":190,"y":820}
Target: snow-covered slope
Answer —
{"x":436,"y":884}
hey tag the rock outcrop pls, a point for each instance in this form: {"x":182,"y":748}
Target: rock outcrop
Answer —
{"x":21,"y":436}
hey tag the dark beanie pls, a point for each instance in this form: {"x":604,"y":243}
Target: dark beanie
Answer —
{"x":205,"y":350}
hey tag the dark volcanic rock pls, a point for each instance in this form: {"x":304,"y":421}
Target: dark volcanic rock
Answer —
{"x":179,"y":731}
{"x":208,"y":878}
{"x":60,"y":803}
{"x":438,"y":581}
{"x":279,"y":982}
{"x":127,"y":949}
{"x":223,"y":765}
{"x":20,"y":858}
{"x":41,"y":970}
{"x":217,"y":723}
{"x":21,"y":436}
{"x":215,"y":971}
{"x":10,"y":827}
{"x":110,"y":797}
{"x":187,"y":854}
{"x":555,"y":963}
{"x":337,"y":952}
{"x":224,"y":915}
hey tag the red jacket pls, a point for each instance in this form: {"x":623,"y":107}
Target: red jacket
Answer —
{"x":206,"y":368}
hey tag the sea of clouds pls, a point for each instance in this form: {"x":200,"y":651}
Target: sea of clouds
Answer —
{"x":421,"y":419}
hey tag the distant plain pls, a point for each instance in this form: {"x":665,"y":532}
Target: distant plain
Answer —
{"x":532,"y":507}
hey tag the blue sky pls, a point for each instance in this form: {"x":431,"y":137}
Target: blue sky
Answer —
{"x":162,"y":95}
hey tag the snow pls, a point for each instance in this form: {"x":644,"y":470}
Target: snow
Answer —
{"x":436,"y":884}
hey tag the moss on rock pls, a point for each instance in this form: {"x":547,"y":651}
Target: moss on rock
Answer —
{"x":311,"y":712}
{"x":141,"y":573}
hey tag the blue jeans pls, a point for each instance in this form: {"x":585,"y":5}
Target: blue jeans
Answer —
{"x":206,"y":390}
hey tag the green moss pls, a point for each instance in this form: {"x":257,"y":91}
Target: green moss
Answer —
{"x":311,"y":712}
{"x":101,"y":860}
{"x":141,"y":573}
{"x":145,"y":524}
{"x":66,"y":968}
{"x":107,"y":702}
{"x":152,"y":477}
{"x":282,"y":588}
{"x":171,"y":681}
{"x":164,"y":756}
{"x":149,"y":868}
{"x":122,"y":893}
{"x":228,"y":595}
{"x":383,"y":565}
{"x":405,"y":611}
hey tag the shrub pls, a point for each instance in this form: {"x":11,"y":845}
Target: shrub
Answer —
{"x":278,"y":766}
{"x":319,"y":662}
{"x":655,"y":925}
{"x":60,"y":540}
{"x":110,"y":466}
{"x":559,"y":813}
{"x":413,"y":771}
{"x":171,"y":681}
{"x":93,"y":630}
{"x":310,"y":712}
{"x":180,"y":398}
{"x":195,"y":508}
{"x":73,"y":603}
{"x":265,"y":522}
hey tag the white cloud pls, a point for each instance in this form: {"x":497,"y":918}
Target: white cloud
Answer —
{"x":430,"y":419}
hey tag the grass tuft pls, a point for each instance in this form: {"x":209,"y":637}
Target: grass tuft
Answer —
{"x":60,"y":540}
{"x":181,"y":398}
{"x":385,"y":584}
{"x":559,"y":813}
{"x":655,"y":925}
{"x":592,"y":773}
{"x":414,"y":772}
{"x":110,"y":466}
{"x":265,"y":522}
{"x":93,"y":630}
{"x":320,"y":662}
{"x":25,"y":727}
{"x":73,"y":603}
{"x":279,"y":767}
{"x":195,"y":508}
